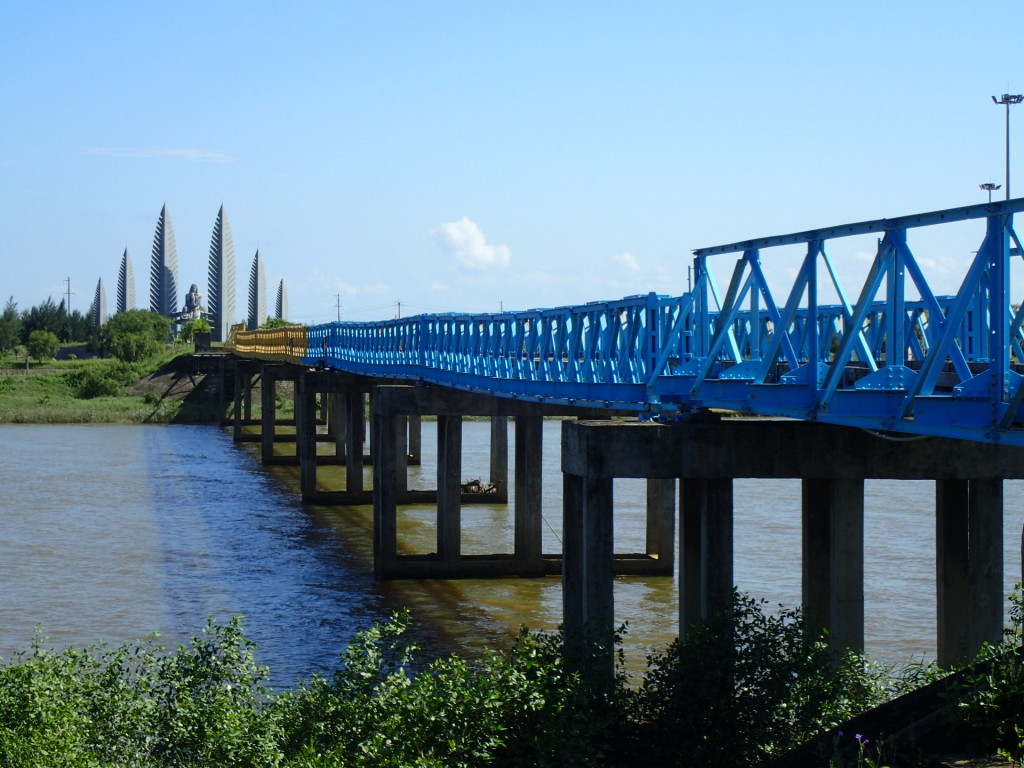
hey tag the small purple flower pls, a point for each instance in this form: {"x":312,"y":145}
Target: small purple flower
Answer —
{"x":861,"y":740}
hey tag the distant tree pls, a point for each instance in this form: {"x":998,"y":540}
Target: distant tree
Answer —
{"x":135,"y":334}
{"x":276,"y":322}
{"x":77,"y":327}
{"x":47,"y":316}
{"x":192,"y":327}
{"x":43,"y":345}
{"x":10,"y":327}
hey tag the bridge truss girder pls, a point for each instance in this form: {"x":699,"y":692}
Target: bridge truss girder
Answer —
{"x":898,"y":357}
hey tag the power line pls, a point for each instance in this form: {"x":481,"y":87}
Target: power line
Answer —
{"x":67,"y":305}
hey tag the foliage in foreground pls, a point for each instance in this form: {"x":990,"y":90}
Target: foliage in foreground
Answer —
{"x":746,"y":686}
{"x":990,"y":704}
{"x":701,"y":703}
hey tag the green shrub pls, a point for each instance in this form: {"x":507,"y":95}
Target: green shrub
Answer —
{"x":134,"y":335}
{"x":742,"y":688}
{"x":202,"y":705}
{"x":990,"y":702}
{"x":510,"y":709}
{"x":102,"y":379}
{"x":746,"y":686}
{"x":133,"y":347}
{"x":209,"y":704}
{"x":42,"y":345}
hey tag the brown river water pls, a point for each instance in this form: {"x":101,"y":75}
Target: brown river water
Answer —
{"x":116,"y":532}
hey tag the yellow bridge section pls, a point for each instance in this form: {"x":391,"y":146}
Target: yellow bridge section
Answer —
{"x":284,"y":345}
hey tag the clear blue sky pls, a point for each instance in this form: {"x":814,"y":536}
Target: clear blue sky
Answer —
{"x":468,"y":156}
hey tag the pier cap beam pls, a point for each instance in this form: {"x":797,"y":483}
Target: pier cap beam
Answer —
{"x":774,"y":448}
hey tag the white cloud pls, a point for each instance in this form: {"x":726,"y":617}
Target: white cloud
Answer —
{"x":345,"y":289}
{"x":180,"y":153}
{"x":627,"y":260}
{"x":464,"y":240}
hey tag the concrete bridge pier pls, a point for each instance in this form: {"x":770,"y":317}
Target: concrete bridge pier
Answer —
{"x":270,"y":375}
{"x":705,"y":548}
{"x":969,"y":566}
{"x":527,"y":510}
{"x":588,"y":602}
{"x":337,"y":421}
{"x":832,"y":463}
{"x":393,"y":407}
{"x":247,"y":373}
{"x":832,"y":576}
{"x":415,"y":446}
{"x":316,"y":387}
{"x":498,"y":465}
{"x":661,"y":522}
{"x":354,"y":405}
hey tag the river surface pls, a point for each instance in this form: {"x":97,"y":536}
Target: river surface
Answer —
{"x":115,"y":532}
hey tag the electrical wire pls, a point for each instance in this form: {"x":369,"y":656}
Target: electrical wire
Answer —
{"x":542,"y":517}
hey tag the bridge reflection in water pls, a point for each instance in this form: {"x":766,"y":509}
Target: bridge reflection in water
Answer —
{"x":902,"y":383}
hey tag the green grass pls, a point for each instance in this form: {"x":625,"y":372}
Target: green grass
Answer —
{"x":53,"y":395}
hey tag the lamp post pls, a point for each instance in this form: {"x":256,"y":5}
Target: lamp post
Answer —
{"x":988,"y":186}
{"x":1008,"y":99}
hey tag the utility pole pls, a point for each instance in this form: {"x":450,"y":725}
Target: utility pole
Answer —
{"x":1008,"y":99}
{"x":399,"y":310}
{"x":337,"y":305}
{"x":67,"y":304}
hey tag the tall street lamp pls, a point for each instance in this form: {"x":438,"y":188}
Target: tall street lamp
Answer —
{"x":1008,"y":99}
{"x":988,"y":186}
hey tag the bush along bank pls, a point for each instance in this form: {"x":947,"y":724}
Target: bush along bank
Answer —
{"x":742,"y":689}
{"x":156,"y":390}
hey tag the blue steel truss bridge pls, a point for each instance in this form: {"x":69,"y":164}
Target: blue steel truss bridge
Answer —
{"x":890,"y":355}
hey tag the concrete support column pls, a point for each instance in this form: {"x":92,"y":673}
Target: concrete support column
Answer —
{"x":385,"y":495}
{"x":588,"y":607}
{"x":529,"y":448}
{"x":402,"y":477}
{"x":247,"y":403}
{"x":705,"y":549}
{"x":268,"y":408}
{"x":449,"y":487}
{"x":499,"y":458}
{"x":371,"y":437}
{"x":241,"y":376}
{"x":305,"y":434}
{"x":337,"y":422}
{"x":833,"y":559}
{"x":661,"y":521}
{"x":355,"y":427}
{"x":969,"y":566}
{"x":415,"y":439}
{"x":222,"y":404}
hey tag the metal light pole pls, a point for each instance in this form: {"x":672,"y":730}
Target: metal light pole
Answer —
{"x":988,"y":186}
{"x":1008,"y":99}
